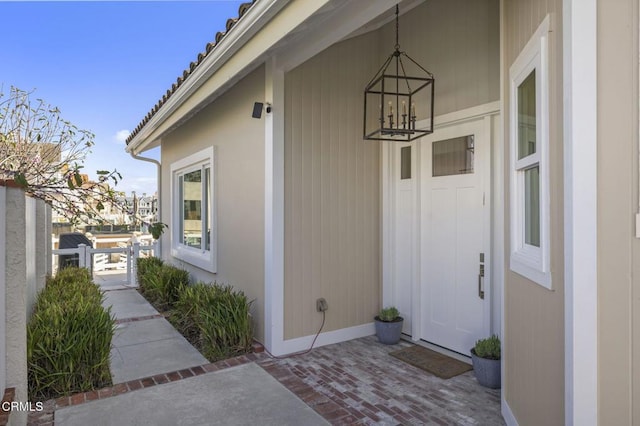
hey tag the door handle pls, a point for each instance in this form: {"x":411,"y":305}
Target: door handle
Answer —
{"x":481,"y":282}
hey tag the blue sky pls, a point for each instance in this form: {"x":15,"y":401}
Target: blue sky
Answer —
{"x":106,"y":64}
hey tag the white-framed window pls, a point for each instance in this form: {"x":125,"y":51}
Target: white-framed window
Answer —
{"x":193,"y":235}
{"x":529,"y":146}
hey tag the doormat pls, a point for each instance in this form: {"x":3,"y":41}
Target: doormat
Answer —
{"x":433,"y":362}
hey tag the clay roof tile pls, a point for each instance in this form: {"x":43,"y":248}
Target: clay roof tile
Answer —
{"x":242,"y":10}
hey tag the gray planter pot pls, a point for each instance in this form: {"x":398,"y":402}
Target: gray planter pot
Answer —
{"x":487,"y":371}
{"x":389,"y":332}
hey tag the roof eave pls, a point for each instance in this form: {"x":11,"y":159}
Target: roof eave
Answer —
{"x":250,"y":24}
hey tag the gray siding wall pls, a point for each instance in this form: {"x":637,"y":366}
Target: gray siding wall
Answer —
{"x":618,"y":249}
{"x":534,"y":316}
{"x":332,"y":177}
{"x":239,"y":180}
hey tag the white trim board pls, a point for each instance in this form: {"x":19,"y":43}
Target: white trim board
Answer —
{"x":580,"y":211}
{"x":468,"y":114}
{"x":507,"y":414}
{"x":326,"y":338}
{"x":274,"y":210}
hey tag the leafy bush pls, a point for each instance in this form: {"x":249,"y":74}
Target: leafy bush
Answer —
{"x":488,"y":348}
{"x":215,"y":318}
{"x":388,"y":314}
{"x":69,"y":337}
{"x":163,"y":284}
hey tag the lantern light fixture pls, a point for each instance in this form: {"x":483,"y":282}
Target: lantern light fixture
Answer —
{"x":397,"y":106}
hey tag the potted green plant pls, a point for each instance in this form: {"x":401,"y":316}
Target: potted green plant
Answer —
{"x":389,"y":325}
{"x":485,"y":356}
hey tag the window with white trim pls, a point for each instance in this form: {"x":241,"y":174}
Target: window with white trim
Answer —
{"x":193,"y":237}
{"x":529,"y":146}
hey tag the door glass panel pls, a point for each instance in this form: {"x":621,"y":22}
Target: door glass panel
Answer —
{"x":453,"y":156}
{"x":532,"y":206}
{"x":405,"y":162}
{"x":527,"y":116}
{"x":192,"y":208}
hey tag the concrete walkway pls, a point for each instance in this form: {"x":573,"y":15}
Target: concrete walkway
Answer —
{"x":177,"y":385}
{"x":145,"y":344}
{"x":242,"y":395}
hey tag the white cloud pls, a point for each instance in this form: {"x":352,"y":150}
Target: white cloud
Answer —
{"x":140,"y":184}
{"x":122,"y":135}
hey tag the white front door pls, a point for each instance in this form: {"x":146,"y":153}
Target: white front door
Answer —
{"x":436,"y":234}
{"x":454,"y":216}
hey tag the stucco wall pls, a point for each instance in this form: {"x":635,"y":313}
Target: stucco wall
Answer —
{"x":16,"y":295}
{"x":25,"y":250}
{"x":533,"y":340}
{"x":43,"y":233}
{"x":618,"y":250}
{"x":238,"y":139}
{"x":332,"y":176}
{"x":3,"y":290}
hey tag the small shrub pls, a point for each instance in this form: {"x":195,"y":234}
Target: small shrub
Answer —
{"x":163,"y":284}
{"x":388,"y":314}
{"x":488,"y":348}
{"x":68,"y":337}
{"x":216,"y":319}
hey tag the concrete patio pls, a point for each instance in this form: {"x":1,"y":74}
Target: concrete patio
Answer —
{"x":160,"y":379}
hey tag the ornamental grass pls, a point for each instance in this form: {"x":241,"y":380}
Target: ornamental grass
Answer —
{"x":215,"y":318}
{"x":161,"y":284}
{"x":69,"y":337}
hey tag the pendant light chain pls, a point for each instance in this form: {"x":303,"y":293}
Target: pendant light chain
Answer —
{"x":397,"y":30}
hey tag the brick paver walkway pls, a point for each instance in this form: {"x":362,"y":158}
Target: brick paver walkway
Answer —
{"x":357,"y":382}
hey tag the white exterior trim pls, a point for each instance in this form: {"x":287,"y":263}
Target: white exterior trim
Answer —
{"x":507,"y":414}
{"x":527,"y":260}
{"x":201,"y":258}
{"x":580,"y":211}
{"x":468,"y":114}
{"x":327,"y":338}
{"x":500,"y":253}
{"x":274,"y":211}
{"x":388,"y":228}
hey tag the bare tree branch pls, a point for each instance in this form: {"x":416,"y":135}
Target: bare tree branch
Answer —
{"x":45,"y":154}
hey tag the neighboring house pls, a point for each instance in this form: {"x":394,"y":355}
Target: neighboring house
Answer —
{"x":147,"y":206}
{"x":144,"y":207}
{"x":540,"y":101}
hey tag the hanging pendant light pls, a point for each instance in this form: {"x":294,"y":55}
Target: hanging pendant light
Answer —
{"x":397,"y":106}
